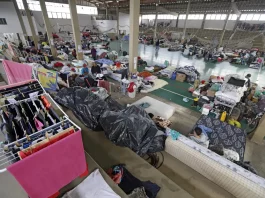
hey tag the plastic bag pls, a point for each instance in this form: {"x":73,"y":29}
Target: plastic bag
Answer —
{"x":133,"y":128}
{"x":87,"y":106}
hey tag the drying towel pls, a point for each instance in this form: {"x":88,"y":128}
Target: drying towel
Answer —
{"x":17,"y":72}
{"x":47,"y":171}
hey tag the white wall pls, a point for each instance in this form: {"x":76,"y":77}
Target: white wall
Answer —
{"x":190,"y":23}
{"x":124,"y":20}
{"x":7,"y":11}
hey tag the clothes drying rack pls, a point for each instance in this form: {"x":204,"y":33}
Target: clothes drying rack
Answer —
{"x":7,"y":157}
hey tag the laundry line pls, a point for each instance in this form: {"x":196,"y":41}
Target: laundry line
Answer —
{"x":177,"y":93}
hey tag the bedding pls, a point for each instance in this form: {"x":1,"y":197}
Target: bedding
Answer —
{"x":228,"y":136}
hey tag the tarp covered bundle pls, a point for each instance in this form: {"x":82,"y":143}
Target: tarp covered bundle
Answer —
{"x":87,"y":106}
{"x":130,"y":127}
{"x":133,"y":128}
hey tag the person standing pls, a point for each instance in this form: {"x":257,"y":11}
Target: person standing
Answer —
{"x":157,"y":44}
{"x":94,"y":53}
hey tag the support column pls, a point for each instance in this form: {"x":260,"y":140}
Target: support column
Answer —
{"x":134,"y":32}
{"x":185,"y":23}
{"x":32,"y":27}
{"x":106,"y":12}
{"x":76,"y":30}
{"x":20,"y":21}
{"x":203,"y":21}
{"x":237,"y":20}
{"x":177,"y":22}
{"x":155,"y":25}
{"x":224,"y":28}
{"x":48,"y":28}
{"x":118,"y":20}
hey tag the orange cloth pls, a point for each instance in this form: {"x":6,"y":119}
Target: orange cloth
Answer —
{"x":144,"y":74}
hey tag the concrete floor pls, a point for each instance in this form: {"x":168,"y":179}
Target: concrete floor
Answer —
{"x":173,"y":175}
{"x":183,"y":120}
{"x":206,"y":69}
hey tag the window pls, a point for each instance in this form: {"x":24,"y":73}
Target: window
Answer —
{"x":182,"y":16}
{"x":54,"y":15}
{"x":243,"y":17}
{"x":49,"y":14}
{"x":223,"y":17}
{"x":57,"y":7}
{"x":252,"y":17}
{"x":232,"y":17}
{"x":208,"y":16}
{"x":213,"y":16}
{"x":256,"y":17}
{"x":64,"y":15}
{"x":68,"y":16}
{"x":218,"y":17}
{"x":3,"y":21}
{"x":262,"y":17}
{"x":249,"y":17}
{"x":59,"y":15}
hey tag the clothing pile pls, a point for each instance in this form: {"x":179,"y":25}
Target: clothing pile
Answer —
{"x":167,"y":72}
{"x":190,"y":71}
{"x":132,"y":186}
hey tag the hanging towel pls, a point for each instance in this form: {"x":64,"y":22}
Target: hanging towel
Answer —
{"x":17,"y":72}
{"x":47,"y":171}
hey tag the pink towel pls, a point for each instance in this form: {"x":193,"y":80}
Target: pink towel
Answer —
{"x":47,"y":171}
{"x":17,"y":72}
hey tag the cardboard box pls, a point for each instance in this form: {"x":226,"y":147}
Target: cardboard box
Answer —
{"x":210,"y":93}
{"x":181,"y":77}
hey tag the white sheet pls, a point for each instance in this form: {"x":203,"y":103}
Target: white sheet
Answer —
{"x":94,"y":186}
{"x":157,"y":107}
{"x":228,"y":96}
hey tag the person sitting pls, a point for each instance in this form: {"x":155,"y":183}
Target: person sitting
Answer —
{"x":199,"y":137}
{"x":95,"y":69}
{"x":84,"y":70}
{"x":66,"y":69}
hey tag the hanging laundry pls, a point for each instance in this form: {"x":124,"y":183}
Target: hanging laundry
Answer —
{"x":36,"y":178}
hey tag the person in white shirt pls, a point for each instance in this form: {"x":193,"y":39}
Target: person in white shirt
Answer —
{"x":66,"y":69}
{"x":199,"y":137}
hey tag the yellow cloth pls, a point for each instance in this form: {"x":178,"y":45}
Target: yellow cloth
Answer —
{"x":46,"y":59}
{"x":47,"y":78}
{"x":196,"y":99}
{"x":44,"y":43}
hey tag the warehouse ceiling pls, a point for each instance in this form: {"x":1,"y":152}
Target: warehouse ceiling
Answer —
{"x":178,"y":6}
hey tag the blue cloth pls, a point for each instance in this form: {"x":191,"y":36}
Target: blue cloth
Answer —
{"x":174,"y":134}
{"x":205,"y":130}
{"x":105,"y":61}
{"x":84,"y":70}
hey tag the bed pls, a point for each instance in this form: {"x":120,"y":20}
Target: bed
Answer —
{"x":231,"y":92}
{"x":224,"y":134}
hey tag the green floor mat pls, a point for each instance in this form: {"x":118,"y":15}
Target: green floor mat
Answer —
{"x":174,"y":98}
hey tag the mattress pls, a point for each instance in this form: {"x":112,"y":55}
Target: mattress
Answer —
{"x":225,"y":134}
{"x":226,"y":174}
{"x":157,"y":107}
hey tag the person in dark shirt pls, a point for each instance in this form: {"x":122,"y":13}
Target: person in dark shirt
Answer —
{"x":74,"y":53}
{"x":95,"y":69}
{"x":94,"y":53}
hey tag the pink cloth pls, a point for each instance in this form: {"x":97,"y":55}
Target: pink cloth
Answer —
{"x":47,"y":171}
{"x":17,"y":72}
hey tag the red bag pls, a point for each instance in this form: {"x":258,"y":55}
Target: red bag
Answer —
{"x":58,"y":64}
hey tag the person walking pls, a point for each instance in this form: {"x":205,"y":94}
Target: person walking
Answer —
{"x":157,"y":44}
